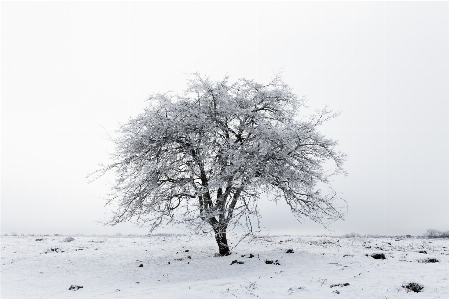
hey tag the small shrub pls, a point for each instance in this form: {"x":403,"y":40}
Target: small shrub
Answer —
{"x":56,"y":250}
{"x":429,"y":260}
{"x":413,"y":287}
{"x":340,"y":284}
{"x":378,"y":256}
{"x":353,"y":235}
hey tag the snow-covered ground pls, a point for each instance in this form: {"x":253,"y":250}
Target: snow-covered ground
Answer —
{"x":185,"y":267}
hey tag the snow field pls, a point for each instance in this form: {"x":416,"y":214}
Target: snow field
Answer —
{"x":185,"y":267}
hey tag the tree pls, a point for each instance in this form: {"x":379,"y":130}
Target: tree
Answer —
{"x":205,"y":157}
{"x":433,"y":233}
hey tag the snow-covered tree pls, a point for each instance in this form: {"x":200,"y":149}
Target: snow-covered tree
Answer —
{"x":205,"y":157}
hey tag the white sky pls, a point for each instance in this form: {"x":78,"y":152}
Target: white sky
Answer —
{"x":72,"y":71}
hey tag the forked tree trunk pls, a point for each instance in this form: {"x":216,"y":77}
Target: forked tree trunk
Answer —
{"x":222,"y":242}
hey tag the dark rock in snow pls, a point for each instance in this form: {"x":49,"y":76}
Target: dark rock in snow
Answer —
{"x":289,"y":251}
{"x":141,"y":265}
{"x":378,"y":256}
{"x":423,"y":251}
{"x":75,"y":287}
{"x":237,"y":262}
{"x":39,"y":239}
{"x":268,"y":262}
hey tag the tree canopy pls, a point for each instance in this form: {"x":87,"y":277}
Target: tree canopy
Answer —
{"x":205,"y":157}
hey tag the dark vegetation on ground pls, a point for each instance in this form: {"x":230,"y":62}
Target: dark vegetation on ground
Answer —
{"x":74,"y":287}
{"x":340,"y":284}
{"x":429,"y":234}
{"x":429,"y":260}
{"x":413,"y":287}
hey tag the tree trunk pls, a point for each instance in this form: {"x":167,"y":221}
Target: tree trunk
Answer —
{"x":223,"y":248}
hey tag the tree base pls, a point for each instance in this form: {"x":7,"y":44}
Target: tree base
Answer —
{"x":222,"y":242}
{"x":220,"y":255}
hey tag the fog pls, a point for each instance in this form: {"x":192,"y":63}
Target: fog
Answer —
{"x":72,"y":72}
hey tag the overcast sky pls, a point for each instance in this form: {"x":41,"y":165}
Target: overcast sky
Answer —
{"x":73,"y":71}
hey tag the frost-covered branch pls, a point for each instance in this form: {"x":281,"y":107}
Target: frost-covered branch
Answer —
{"x":204,"y":156}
